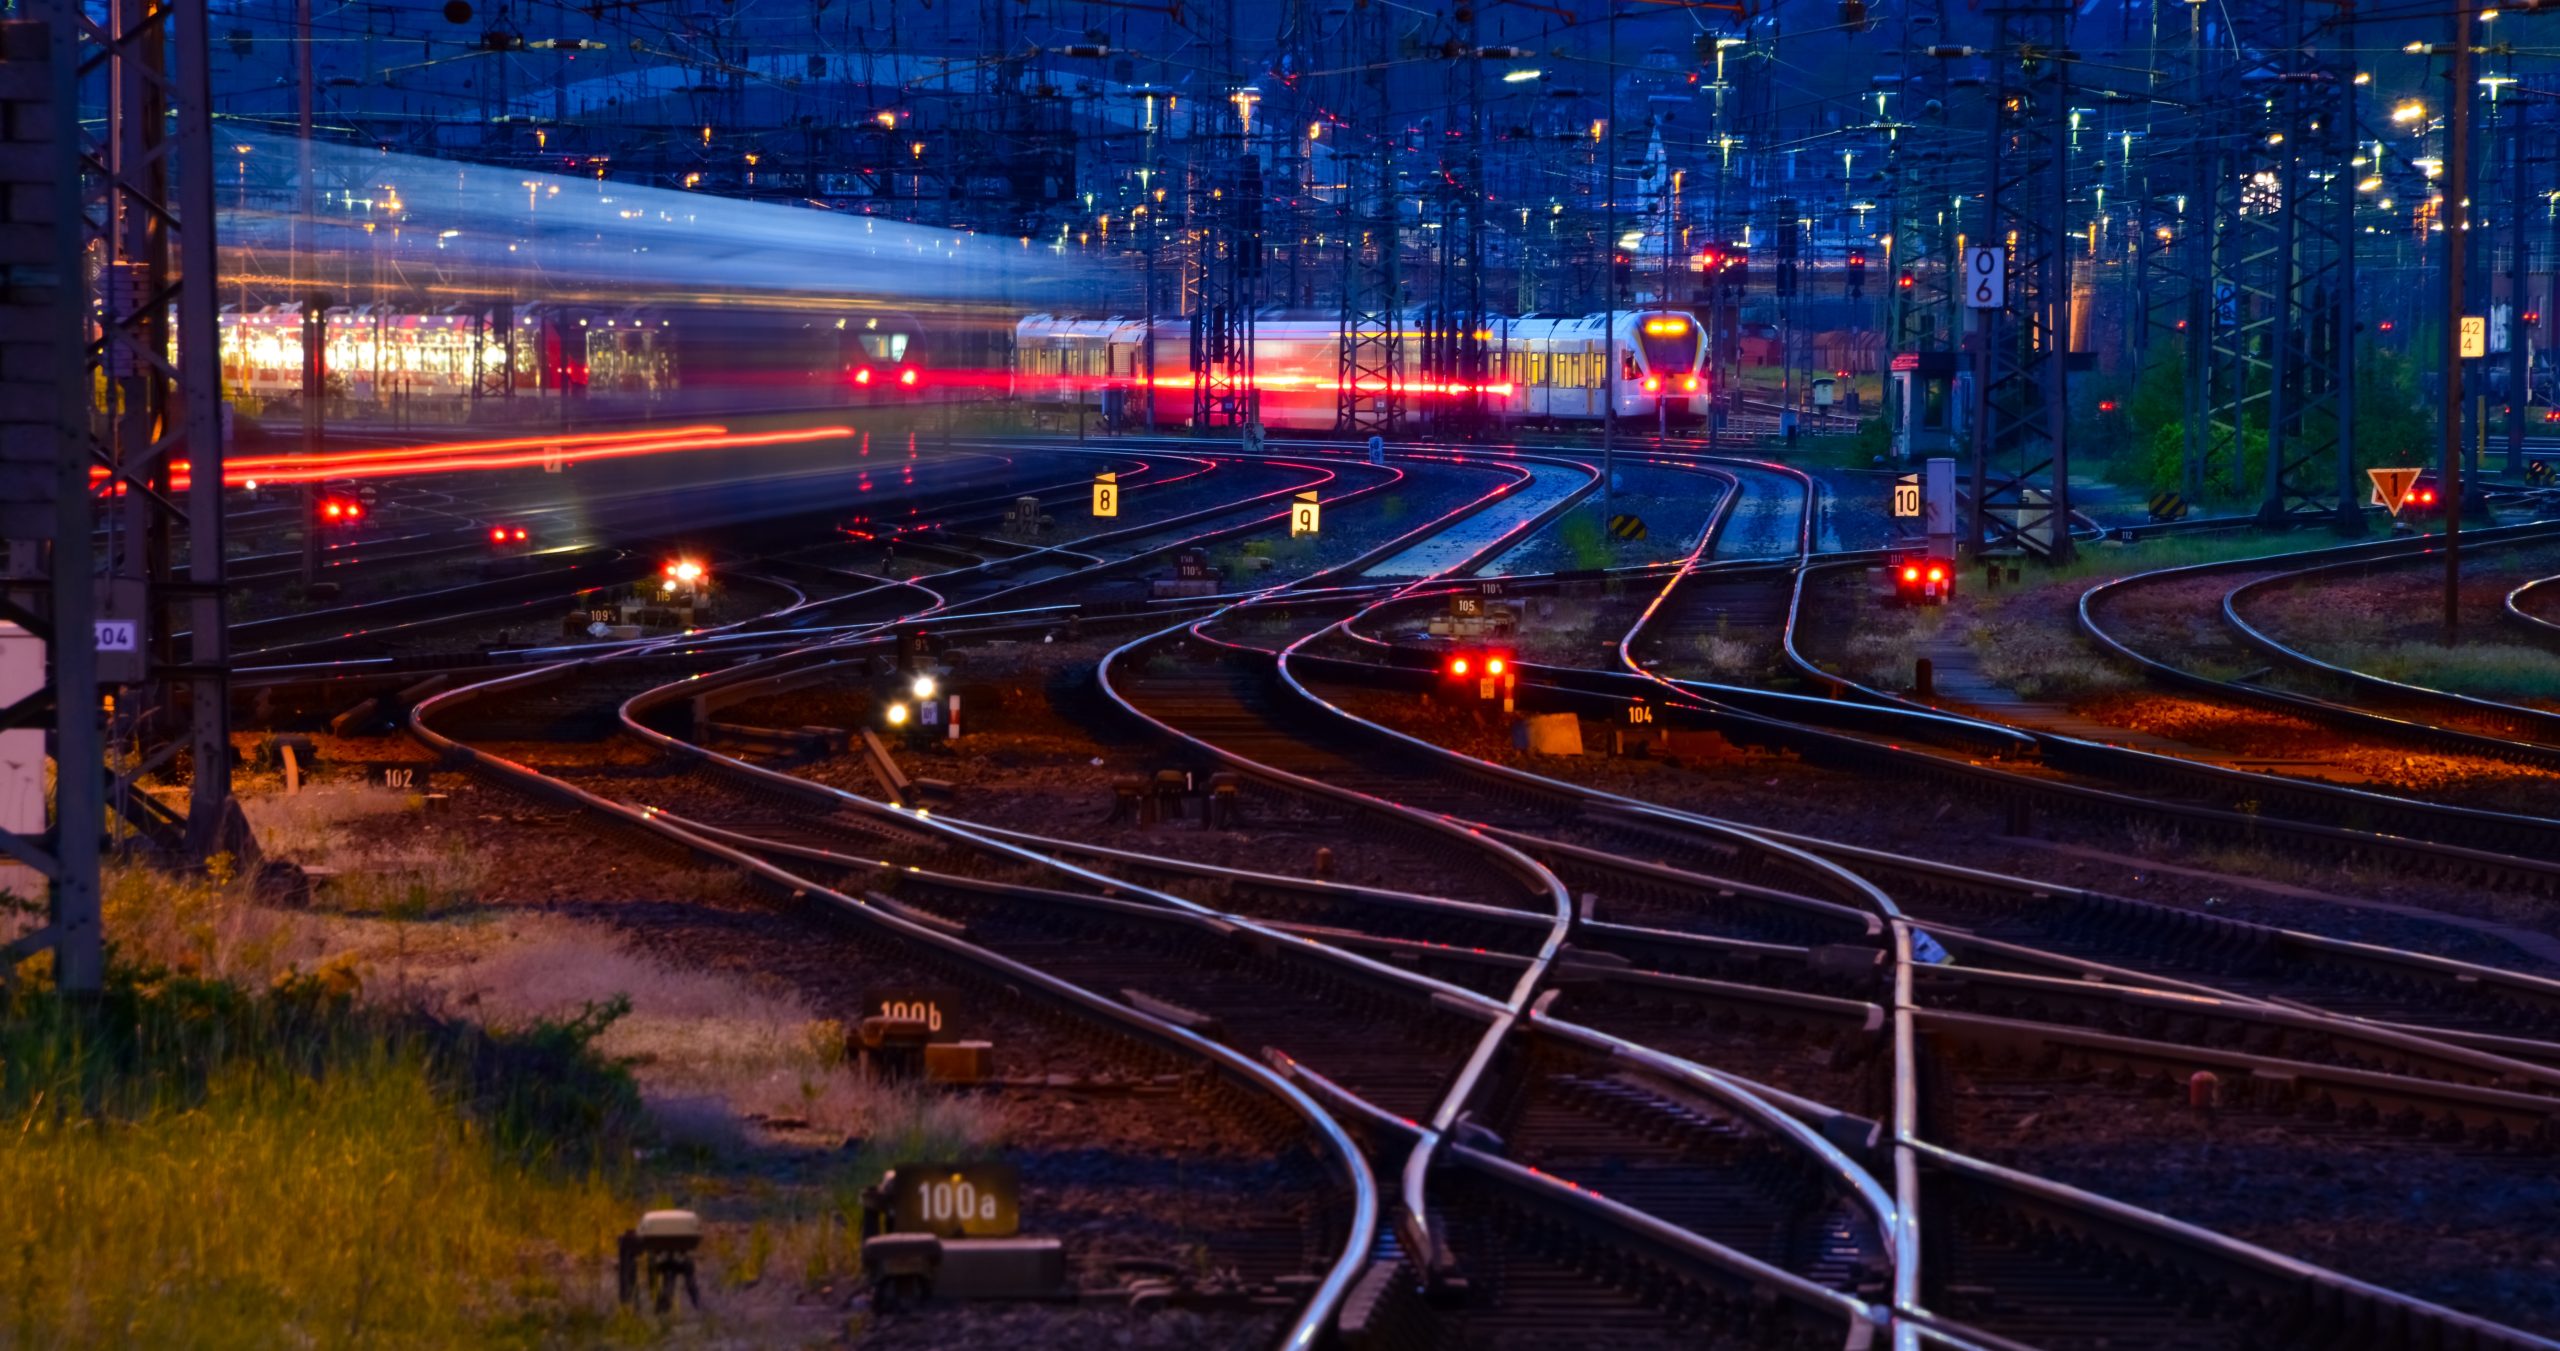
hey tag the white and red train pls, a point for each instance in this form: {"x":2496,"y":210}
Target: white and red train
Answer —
{"x":1537,"y":370}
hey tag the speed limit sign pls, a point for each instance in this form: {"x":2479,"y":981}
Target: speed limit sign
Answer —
{"x":1986,"y":279}
{"x":1304,"y":515}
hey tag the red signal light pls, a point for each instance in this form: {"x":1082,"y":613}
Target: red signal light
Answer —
{"x":863,"y":376}
{"x":907,"y":376}
{"x":519,"y":534}
{"x":1910,"y":573}
{"x":1493,"y":665}
{"x":2426,"y":495}
{"x":2106,"y":405}
{"x":498,"y":535}
{"x":1937,"y":574}
{"x":333,"y":510}
{"x":1458,"y":666}
{"x":1689,"y":382}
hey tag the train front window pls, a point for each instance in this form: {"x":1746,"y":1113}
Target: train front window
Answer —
{"x":885,"y":346}
{"x":1670,"y":343}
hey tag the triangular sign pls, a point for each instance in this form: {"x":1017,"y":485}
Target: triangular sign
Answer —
{"x":1306,"y":497}
{"x":1106,"y":476}
{"x":2391,"y":487}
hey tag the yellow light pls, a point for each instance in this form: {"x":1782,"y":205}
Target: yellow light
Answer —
{"x":924,"y":687}
{"x":1659,"y":326}
{"x":1314,"y":130}
{"x":686,"y":571}
{"x":889,"y":120}
{"x":2408,"y":112}
{"x":897,"y":715}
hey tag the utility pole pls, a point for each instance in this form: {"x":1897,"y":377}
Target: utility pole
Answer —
{"x":2457,"y":223}
{"x":315,"y":307}
{"x":1609,"y":278}
{"x":2519,"y":354}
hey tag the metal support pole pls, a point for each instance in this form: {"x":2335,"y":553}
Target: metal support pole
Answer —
{"x":2519,"y":355}
{"x":1609,"y":280}
{"x":2456,"y":238}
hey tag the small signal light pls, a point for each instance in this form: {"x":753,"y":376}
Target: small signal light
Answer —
{"x":520,"y":535}
{"x":907,"y":376}
{"x":1653,"y":384}
{"x":863,"y":376}
{"x":1459,"y":666}
{"x":1494,"y":666}
{"x":1689,"y":382}
{"x":1910,"y":573}
{"x":897,"y":715}
{"x":2426,"y":495}
{"x":498,"y":535}
{"x":1937,"y":574}
{"x":2106,"y":405}
{"x":333,"y":510}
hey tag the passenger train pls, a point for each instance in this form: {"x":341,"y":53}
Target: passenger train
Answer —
{"x":1544,"y":370}
{"x":615,"y":358}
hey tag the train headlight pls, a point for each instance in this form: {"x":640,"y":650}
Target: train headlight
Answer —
{"x":1653,"y":384}
{"x":924,"y":687}
{"x":897,"y":715}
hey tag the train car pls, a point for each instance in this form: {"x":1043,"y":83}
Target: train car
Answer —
{"x":1539,"y":370}
{"x":683,"y":358}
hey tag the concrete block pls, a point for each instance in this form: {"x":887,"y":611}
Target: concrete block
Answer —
{"x":1550,"y":734}
{"x":959,"y":1062}
{"x":1002,"y":1268}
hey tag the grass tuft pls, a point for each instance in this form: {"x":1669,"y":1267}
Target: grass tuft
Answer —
{"x":202,"y":1164}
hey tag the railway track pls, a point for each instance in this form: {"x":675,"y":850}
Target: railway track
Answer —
{"x":1592,"y":1154}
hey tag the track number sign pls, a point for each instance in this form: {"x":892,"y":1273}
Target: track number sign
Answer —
{"x":970,"y":1200}
{"x":1986,"y":279}
{"x":1304,"y":515}
{"x":2475,"y":336}
{"x":1906,"y":497}
{"x":119,"y":635}
{"x":1106,"y":495}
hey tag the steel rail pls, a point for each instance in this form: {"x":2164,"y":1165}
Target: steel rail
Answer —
{"x":2513,"y":608}
{"x":2317,"y":710}
{"x":2536,"y":725}
{"x":1308,"y":1329}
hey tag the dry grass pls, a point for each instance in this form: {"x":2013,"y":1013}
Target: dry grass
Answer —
{"x":320,"y":827}
{"x":236,"y":1148}
{"x":2037,"y":655}
{"x":1881,"y":651}
{"x":712,"y":1053}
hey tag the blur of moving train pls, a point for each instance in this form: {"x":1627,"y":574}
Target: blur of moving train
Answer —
{"x":448,"y":366}
{"x":1538,"y":370}
{"x":609,"y":360}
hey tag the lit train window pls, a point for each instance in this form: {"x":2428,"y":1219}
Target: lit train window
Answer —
{"x":885,"y":346}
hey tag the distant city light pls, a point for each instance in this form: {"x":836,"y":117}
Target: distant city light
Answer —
{"x":1522,"y":76}
{"x":2408,"y":112}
